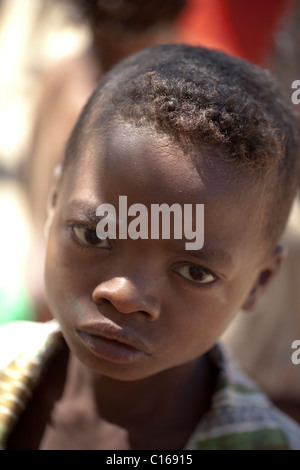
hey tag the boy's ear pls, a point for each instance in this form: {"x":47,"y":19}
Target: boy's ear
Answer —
{"x":52,"y":196}
{"x":264,"y":278}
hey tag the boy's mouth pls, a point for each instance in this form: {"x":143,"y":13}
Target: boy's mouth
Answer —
{"x":112,"y":343}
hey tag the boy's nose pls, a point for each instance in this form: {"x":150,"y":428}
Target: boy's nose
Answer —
{"x":127,"y":296}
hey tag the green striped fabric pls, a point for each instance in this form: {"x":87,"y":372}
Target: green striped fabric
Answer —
{"x":263,"y":439}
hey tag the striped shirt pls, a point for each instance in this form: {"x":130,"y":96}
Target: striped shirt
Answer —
{"x":240,"y":415}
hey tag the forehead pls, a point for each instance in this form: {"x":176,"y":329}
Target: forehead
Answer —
{"x":119,"y":154}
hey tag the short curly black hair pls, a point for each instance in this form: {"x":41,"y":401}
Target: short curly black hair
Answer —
{"x":206,"y":99}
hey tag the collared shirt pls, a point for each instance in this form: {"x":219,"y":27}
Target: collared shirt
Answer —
{"x":240,"y":415}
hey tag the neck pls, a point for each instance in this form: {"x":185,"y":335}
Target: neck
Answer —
{"x":157,"y":398}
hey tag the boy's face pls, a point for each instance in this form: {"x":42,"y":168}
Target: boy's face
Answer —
{"x":131,"y":308}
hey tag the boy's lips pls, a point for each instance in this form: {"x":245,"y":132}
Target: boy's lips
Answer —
{"x":112,"y":343}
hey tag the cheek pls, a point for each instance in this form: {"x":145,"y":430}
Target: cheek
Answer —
{"x":71,"y":275}
{"x":199,"y":319}
{"x":54,"y":277}
{"x":61,"y":279}
{"x":63,"y":268}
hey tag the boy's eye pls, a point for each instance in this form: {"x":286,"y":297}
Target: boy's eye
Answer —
{"x":196,"y":274}
{"x":88,"y":237}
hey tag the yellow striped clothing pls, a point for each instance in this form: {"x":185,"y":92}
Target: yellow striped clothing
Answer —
{"x":240,"y":416}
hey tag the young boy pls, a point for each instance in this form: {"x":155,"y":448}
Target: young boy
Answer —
{"x":132,"y":361}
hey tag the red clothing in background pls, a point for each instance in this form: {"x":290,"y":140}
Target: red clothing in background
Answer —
{"x":244,"y":28}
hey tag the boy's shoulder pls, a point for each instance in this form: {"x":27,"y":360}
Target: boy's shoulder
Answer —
{"x":24,"y":338}
{"x":241,"y":416}
{"x":24,"y":350}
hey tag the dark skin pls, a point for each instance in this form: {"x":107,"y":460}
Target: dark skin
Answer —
{"x":171,"y":305}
